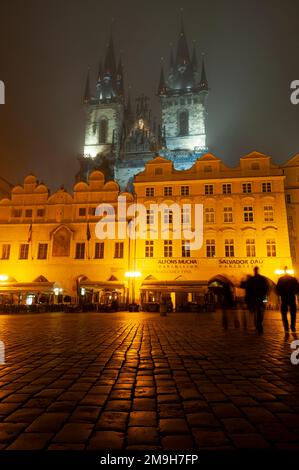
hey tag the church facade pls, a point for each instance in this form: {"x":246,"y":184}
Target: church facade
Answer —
{"x":120,"y":139}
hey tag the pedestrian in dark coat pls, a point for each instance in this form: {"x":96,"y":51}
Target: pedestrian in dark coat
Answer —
{"x":227,"y":303}
{"x":287,"y":288}
{"x":257,"y":291}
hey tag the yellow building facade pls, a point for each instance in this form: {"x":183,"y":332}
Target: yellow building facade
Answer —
{"x":49,"y":250}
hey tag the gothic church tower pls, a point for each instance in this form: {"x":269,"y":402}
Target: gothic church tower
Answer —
{"x":183,"y":101}
{"x":105,"y":109}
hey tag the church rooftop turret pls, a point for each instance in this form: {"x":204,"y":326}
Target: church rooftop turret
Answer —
{"x":162,"y":84}
{"x":204,"y":86}
{"x":86,"y":97}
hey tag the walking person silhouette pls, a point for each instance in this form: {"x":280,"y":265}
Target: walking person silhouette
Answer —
{"x":287,"y":288}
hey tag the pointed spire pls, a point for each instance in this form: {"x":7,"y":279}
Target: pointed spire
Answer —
{"x":100,"y":72}
{"x":162,"y":83}
{"x":182,"y":55}
{"x":86,"y":97}
{"x":110,"y":64}
{"x":204,"y":86}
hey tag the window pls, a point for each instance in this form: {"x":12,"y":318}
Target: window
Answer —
{"x":5,"y":251}
{"x":267,"y":187}
{"x":207,"y":168}
{"x":80,"y":251}
{"x":82,"y":211}
{"x":268,"y":214}
{"x":167,"y":248}
{"x":168,"y":216}
{"x":209,"y":189}
{"x":28,"y":213}
{"x":119,"y":250}
{"x":209,"y":215}
{"x":24,"y":250}
{"x":99,"y":250}
{"x":92,"y":210}
{"x":288,"y":199}
{"x":250,"y":247}
{"x":247,"y":188}
{"x":271,"y":247}
{"x":186,"y":250}
{"x":185,"y":190}
{"x":226,"y":188}
{"x":184,"y":123}
{"x":17,"y":212}
{"x":149,"y":192}
{"x":167,"y":191}
{"x":42,"y":251}
{"x":227,"y":214}
{"x":229,"y":248}
{"x":103,"y":134}
{"x":150,"y":217}
{"x":255,"y":166}
{"x":149,"y":248}
{"x":210,"y":248}
{"x":40,"y":212}
{"x":290,"y":222}
{"x":248,"y":214}
{"x":185,"y":215}
{"x":158,"y":171}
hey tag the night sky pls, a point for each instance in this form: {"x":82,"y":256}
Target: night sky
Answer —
{"x":46,"y":47}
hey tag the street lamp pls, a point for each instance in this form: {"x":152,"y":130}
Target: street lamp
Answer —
{"x":132,"y":275}
{"x":280,"y":272}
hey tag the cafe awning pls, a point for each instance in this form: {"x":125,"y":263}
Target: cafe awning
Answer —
{"x":174,"y":286}
{"x":26,"y":287}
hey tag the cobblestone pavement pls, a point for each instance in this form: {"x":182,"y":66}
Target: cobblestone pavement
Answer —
{"x":141,"y":381}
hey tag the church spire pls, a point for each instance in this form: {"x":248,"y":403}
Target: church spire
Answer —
{"x":204,"y":86}
{"x":86,"y":97}
{"x":162,"y":83}
{"x":182,"y":55}
{"x":100,"y":72}
{"x":110,"y":64}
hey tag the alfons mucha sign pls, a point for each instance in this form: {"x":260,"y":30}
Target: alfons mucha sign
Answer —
{"x":177,"y":266}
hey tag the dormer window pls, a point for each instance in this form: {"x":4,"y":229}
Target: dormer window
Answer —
{"x":255,"y":166}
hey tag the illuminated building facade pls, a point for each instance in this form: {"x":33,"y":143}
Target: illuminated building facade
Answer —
{"x":291,"y":172}
{"x":48,"y":246}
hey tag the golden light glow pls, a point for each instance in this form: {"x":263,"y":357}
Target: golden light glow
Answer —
{"x":3,"y":277}
{"x":133,"y":274}
{"x":279,"y":272}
